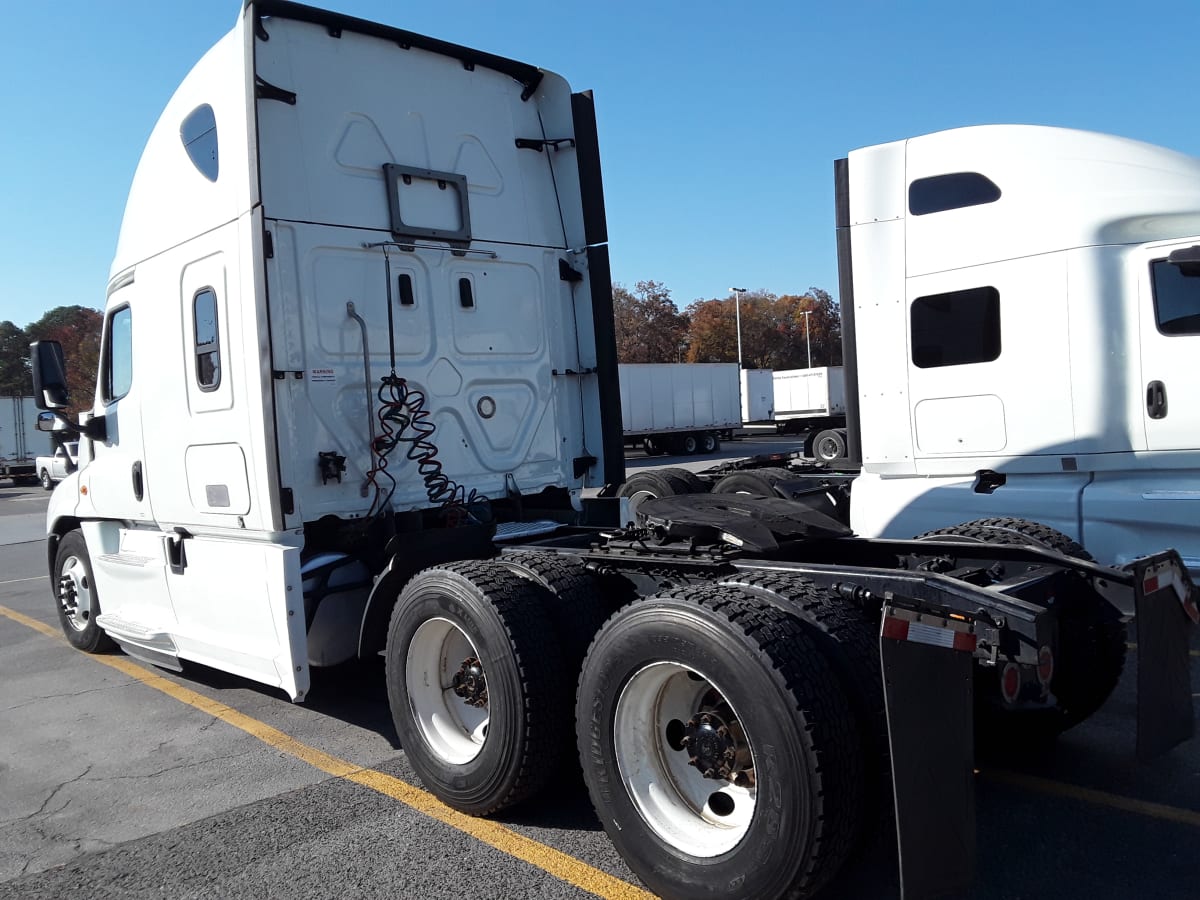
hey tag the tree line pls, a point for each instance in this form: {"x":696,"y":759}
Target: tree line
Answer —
{"x":77,"y":328}
{"x":778,"y":331}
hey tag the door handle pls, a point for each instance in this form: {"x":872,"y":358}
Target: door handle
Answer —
{"x":138,"y":486}
{"x":1156,"y":400}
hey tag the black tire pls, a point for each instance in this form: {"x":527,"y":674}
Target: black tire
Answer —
{"x":693,"y":483}
{"x":527,"y":699}
{"x":829,"y":445}
{"x":642,"y":486}
{"x":781,"y":691}
{"x":759,"y":482}
{"x":578,"y":608}
{"x":688,"y":444}
{"x":709,"y":442}
{"x":849,"y":639}
{"x":77,"y":599}
{"x":47,"y":484}
{"x":652,"y":446}
{"x":1091,"y":644}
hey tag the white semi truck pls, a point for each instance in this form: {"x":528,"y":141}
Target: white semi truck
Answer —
{"x":384,"y":259}
{"x":1005,"y":361}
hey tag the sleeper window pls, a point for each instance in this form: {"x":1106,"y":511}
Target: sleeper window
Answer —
{"x":208,"y":344}
{"x":956,"y":328}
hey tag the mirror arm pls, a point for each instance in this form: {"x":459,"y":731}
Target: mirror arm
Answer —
{"x":96,"y":428}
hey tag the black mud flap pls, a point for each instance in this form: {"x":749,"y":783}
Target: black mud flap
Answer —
{"x":927,"y":673}
{"x":1166,"y":608}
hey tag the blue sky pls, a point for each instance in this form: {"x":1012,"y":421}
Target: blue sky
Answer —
{"x":718,"y":122}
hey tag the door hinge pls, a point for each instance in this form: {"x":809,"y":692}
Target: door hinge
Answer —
{"x":268,"y":245}
{"x":287,"y":501}
{"x":280,"y":374}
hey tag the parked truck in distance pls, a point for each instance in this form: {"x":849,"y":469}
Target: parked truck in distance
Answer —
{"x":813,"y":400}
{"x":683,"y":408}
{"x":750,"y":691}
{"x":19,"y":439}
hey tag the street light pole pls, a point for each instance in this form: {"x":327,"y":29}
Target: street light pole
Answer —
{"x":807,"y":342}
{"x":737,"y":309}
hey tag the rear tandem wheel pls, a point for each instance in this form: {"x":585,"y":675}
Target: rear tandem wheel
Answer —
{"x":476,"y":685}
{"x":718,"y":747}
{"x":1091,"y":645}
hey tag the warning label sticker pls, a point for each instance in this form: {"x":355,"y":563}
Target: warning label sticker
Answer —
{"x":317,"y":376}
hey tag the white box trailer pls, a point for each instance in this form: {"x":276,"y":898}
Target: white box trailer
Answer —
{"x":813,"y":400}
{"x":20,"y":441}
{"x":679,"y":407}
{"x":810,"y":395}
{"x":758,"y":396}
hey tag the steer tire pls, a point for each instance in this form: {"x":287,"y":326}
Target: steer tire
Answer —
{"x":77,"y":599}
{"x":44,"y":478}
{"x":685,"y":652}
{"x":1091,"y":645}
{"x":478,"y":759}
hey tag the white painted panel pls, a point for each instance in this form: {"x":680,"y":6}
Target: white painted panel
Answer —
{"x":960,"y":424}
{"x":216,"y":478}
{"x":881,"y":317}
{"x":1032,"y":376}
{"x":1060,"y":189}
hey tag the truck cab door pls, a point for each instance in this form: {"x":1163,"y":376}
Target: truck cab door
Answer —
{"x":1169,"y":313}
{"x":118,"y":482}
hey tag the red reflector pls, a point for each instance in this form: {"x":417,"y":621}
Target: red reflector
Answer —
{"x":964,"y":640}
{"x":1150,"y":585}
{"x":896,"y":629}
{"x":1045,"y":669}
{"x":1010,"y":682}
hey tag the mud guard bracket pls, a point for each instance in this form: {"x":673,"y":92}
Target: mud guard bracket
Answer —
{"x":927,"y":678}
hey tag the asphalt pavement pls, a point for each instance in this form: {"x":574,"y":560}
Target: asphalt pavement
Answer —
{"x":121,"y":780}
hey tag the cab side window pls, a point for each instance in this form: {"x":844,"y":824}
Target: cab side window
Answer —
{"x":1176,"y":299}
{"x":118,"y":354}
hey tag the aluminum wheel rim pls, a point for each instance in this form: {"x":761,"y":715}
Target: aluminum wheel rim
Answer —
{"x":452,"y":728}
{"x":828,"y":449}
{"x":75,"y":593}
{"x":675,"y":800}
{"x":637,"y":498}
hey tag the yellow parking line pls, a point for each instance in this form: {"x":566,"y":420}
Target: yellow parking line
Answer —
{"x":561,"y":865}
{"x":1095,"y":797}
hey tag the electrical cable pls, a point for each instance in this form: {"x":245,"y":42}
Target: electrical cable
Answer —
{"x":404,"y":419}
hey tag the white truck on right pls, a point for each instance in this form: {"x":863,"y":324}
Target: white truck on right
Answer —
{"x":1021,"y":315}
{"x":1021,"y":311}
